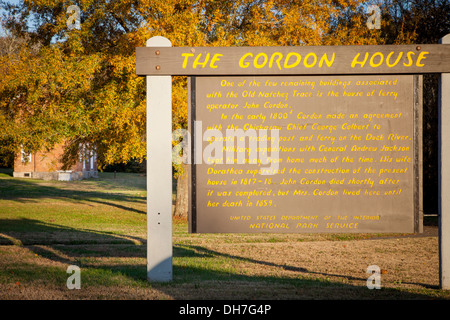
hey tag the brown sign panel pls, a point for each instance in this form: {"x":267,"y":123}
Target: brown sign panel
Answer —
{"x":344,"y":154}
{"x":304,"y":60}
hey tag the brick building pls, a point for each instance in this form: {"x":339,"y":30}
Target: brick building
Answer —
{"x":48,"y":165}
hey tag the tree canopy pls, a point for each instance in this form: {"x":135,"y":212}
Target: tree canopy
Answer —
{"x":78,"y":85}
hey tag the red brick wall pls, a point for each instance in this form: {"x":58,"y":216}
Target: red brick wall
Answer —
{"x":49,"y":162}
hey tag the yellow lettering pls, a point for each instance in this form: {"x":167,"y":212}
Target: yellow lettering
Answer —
{"x":372,"y":64}
{"x":307,"y":65}
{"x":279,"y":55}
{"x":197,"y":62}
{"x":186,"y":57}
{"x":255,"y":62}
{"x":396,"y":61}
{"x":421,"y":57}
{"x":296,"y":63}
{"x":355,"y":60}
{"x":241,"y":61}
{"x":215,"y":58}
{"x":408,"y":55}
{"x":325,"y":59}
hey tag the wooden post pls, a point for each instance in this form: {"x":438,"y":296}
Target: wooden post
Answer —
{"x":159,"y":172}
{"x":444,"y":177}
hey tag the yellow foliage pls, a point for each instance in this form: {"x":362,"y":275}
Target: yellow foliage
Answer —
{"x":82,"y":86}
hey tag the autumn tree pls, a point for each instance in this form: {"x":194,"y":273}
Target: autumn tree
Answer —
{"x":11,"y":48}
{"x":422,"y":21}
{"x":80,"y":86}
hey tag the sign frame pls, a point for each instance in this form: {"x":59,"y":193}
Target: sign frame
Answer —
{"x":148,"y":64}
{"x":417,"y":110}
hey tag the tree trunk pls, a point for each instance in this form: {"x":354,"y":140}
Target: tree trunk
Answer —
{"x":182,"y":204}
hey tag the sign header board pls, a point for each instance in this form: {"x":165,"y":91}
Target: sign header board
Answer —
{"x":305,"y":60}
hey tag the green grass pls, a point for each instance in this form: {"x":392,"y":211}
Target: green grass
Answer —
{"x":100,"y":225}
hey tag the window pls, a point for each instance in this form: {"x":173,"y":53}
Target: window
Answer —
{"x":88,"y":156}
{"x":25,"y":156}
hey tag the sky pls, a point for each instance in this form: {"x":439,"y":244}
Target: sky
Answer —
{"x":2,"y":32}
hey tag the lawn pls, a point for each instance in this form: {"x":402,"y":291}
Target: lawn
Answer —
{"x":99,"y":225}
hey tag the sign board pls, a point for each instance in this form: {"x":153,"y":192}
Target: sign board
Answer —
{"x":368,"y":179}
{"x":346,"y":158}
{"x":305,"y":60}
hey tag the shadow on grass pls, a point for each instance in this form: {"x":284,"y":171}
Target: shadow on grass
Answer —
{"x":195,"y":268}
{"x":6,"y":172}
{"x":24,"y":190}
{"x":193,"y":280}
{"x":203,"y":252}
{"x":34,"y":232}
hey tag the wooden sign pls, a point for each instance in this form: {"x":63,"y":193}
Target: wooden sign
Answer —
{"x":387,"y":59}
{"x":377,"y":139}
{"x":346,"y":159}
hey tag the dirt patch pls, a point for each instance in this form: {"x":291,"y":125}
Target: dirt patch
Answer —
{"x":409,"y":267}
